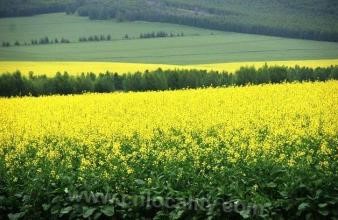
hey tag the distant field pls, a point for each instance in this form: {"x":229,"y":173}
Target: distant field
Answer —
{"x":50,"y":68}
{"x":71,"y":27}
{"x":198,"y":46}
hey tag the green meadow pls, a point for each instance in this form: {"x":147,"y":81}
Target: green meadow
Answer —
{"x":197,"y":46}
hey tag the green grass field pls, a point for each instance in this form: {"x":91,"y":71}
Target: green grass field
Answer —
{"x":198,"y":46}
{"x":72,"y":27}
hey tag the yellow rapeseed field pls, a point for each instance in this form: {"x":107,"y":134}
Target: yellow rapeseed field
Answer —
{"x":50,"y":68}
{"x":287,"y":113}
{"x":253,"y":143}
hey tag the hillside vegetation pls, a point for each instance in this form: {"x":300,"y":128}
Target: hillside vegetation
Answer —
{"x":310,"y":19}
{"x":197,"y":46}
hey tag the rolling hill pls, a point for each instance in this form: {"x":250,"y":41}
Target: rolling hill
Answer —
{"x":310,"y":19}
{"x":197,"y":46}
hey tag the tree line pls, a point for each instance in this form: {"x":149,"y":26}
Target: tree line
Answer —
{"x":101,"y":37}
{"x":96,"y":38}
{"x":17,"y":84}
{"x":46,"y":40}
{"x":10,"y":8}
{"x":160,"y":34}
{"x":41,"y":41}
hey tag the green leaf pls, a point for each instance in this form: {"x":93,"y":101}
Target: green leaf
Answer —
{"x":271,"y":185}
{"x":303,"y":206}
{"x":25,"y":198}
{"x":66,"y":210}
{"x":176,"y":214}
{"x":308,"y":216}
{"x":18,"y":195}
{"x":267,"y":204}
{"x":160,"y":215}
{"x":97,"y":215}
{"x":2,"y":198}
{"x":88,"y":212}
{"x":16,"y":216}
{"x":45,"y":207}
{"x":139,"y":182}
{"x":283,"y":194}
{"x":54,"y":210}
{"x":319,"y":192}
{"x":245,"y":214}
{"x":322,"y":205}
{"x":108,"y":210}
{"x":324,"y":212}
{"x":277,"y":171}
{"x":56,"y":199}
{"x":123,"y":205}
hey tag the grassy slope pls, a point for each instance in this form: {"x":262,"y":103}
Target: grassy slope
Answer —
{"x":72,"y":27}
{"x":201,"y":49}
{"x":311,"y":19}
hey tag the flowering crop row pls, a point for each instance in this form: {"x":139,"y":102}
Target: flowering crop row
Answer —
{"x":270,"y":145}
